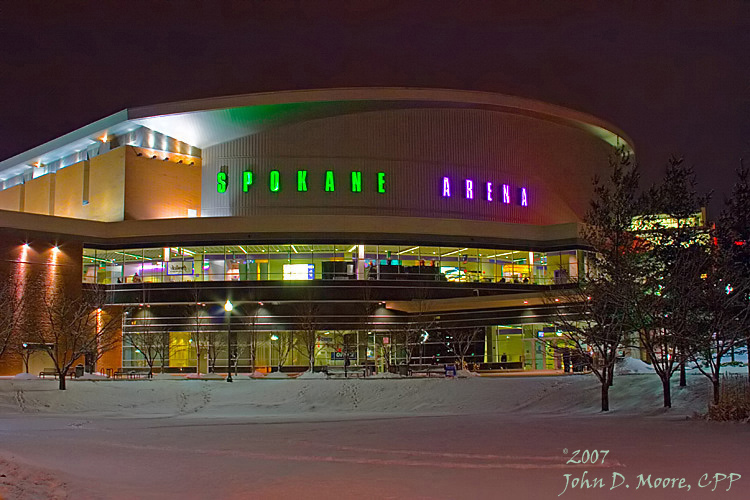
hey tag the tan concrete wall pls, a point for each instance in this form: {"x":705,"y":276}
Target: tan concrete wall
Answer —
{"x":69,"y":191}
{"x":158,"y":189}
{"x":106,"y":187}
{"x":10,"y":199}
{"x":106,"y":191}
{"x":37,"y":195}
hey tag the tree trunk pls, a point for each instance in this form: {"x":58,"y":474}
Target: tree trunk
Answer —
{"x":667,"y":392}
{"x":62,"y":382}
{"x":683,"y":379}
{"x":717,"y":389}
{"x":605,"y":395}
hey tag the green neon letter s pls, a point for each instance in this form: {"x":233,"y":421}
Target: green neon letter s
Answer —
{"x":221,"y":182}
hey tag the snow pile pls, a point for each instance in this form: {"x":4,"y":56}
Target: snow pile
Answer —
{"x":313,"y":375}
{"x":277,"y":375}
{"x":204,"y":376}
{"x":257,"y":374}
{"x":334,"y":398}
{"x":385,"y":375}
{"x":628,"y":366}
{"x":25,"y":376}
{"x":163,"y":376}
{"x":466,"y":374}
{"x":93,"y":376}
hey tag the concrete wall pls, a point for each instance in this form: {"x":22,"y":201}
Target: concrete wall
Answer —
{"x":416,"y":149}
{"x":158,"y":189}
{"x":40,"y":272}
{"x":12,"y":198}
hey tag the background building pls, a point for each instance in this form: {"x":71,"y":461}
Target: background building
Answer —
{"x":370,"y":218}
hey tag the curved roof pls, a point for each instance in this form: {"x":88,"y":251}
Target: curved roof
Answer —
{"x":206,"y":122}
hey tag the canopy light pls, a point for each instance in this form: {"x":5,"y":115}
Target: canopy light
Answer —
{"x":228,"y":306}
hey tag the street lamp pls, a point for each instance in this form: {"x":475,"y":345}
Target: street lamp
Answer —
{"x":228,"y":308}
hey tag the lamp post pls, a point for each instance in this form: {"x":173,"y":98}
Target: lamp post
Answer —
{"x":228,"y":308}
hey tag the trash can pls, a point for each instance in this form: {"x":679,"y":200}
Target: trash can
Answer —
{"x":79,"y":370}
{"x":403,"y":370}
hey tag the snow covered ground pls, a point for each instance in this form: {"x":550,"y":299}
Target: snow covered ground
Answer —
{"x":377,"y":438}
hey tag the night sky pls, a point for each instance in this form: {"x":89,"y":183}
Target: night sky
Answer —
{"x":675,"y":76}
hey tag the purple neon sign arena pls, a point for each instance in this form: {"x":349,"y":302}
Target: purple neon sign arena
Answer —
{"x":522,"y":197}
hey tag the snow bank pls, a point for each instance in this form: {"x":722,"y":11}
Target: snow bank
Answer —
{"x":93,"y":376}
{"x":336,"y":398}
{"x":313,"y":375}
{"x":277,"y":375}
{"x":628,"y":366}
{"x":466,"y":374}
{"x":25,"y":376}
{"x":257,"y":374}
{"x":204,"y":376}
{"x":385,"y":375}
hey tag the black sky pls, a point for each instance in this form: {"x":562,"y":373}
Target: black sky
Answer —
{"x":675,"y":75}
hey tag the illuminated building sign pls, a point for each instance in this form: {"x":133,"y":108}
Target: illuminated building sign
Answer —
{"x":469,"y":189}
{"x":354,"y":181}
{"x":328,"y":183}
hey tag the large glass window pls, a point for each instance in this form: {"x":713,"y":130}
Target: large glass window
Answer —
{"x":339,"y":261}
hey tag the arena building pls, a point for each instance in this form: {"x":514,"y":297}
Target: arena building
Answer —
{"x":388,"y":221}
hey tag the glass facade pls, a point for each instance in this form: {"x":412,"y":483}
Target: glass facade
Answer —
{"x":330,"y":262}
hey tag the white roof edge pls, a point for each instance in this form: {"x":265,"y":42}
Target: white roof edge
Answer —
{"x":601,"y":128}
{"x":86,"y":131}
{"x":470,"y":97}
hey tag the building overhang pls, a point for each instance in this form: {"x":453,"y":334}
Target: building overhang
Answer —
{"x":293,"y":229}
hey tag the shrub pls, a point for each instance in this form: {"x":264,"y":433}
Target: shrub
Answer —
{"x":734,"y":401}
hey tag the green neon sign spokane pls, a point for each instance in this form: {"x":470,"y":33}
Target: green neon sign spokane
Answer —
{"x":247,"y":181}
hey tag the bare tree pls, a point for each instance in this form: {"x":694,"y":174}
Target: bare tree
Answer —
{"x":596,"y":313}
{"x":733,"y":235}
{"x":11,"y":312}
{"x":251,"y":322}
{"x":307,"y":337}
{"x":195,"y":313}
{"x":720,"y":316}
{"x":461,"y":341}
{"x":673,"y":261}
{"x":77,"y":325}
{"x":283,"y":345}
{"x":150,"y":340}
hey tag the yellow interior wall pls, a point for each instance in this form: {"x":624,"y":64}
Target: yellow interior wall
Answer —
{"x":512,"y":345}
{"x":10,"y":199}
{"x":181,"y":351}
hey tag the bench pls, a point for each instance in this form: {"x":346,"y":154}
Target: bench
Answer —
{"x":131,"y":373}
{"x":48,"y":371}
{"x":53,"y":372}
{"x":353,"y":371}
{"x":428,"y":370}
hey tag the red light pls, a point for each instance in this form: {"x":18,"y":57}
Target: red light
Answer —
{"x":525,"y":301}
